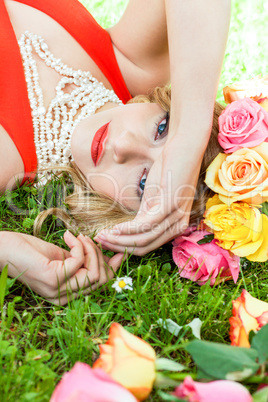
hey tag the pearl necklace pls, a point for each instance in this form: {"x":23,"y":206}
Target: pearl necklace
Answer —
{"x":53,"y":127}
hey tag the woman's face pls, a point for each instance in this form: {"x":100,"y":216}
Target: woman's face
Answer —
{"x":116,"y":147}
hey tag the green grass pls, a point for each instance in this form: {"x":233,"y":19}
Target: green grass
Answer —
{"x":39,"y":341}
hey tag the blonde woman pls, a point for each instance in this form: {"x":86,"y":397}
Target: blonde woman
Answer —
{"x":64,"y":82}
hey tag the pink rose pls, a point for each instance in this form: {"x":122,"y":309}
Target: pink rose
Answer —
{"x":220,"y":391}
{"x":85,"y":384}
{"x":243,"y":124}
{"x":201,"y":262}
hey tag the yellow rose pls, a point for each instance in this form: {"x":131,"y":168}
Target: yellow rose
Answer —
{"x":240,"y":228}
{"x":240,"y":176}
{"x":249,"y":314}
{"x":256,"y":89}
{"x":128,"y":360}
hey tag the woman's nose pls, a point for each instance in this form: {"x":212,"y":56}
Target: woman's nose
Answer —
{"x":127,"y":146}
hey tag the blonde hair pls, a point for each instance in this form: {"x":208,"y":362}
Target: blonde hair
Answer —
{"x":88,"y":211}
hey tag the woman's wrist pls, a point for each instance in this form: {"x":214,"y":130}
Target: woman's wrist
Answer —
{"x":191,"y":139}
{"x":192,"y":119}
{"x":8,"y":251}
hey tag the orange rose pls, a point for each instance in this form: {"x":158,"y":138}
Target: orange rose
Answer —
{"x":128,"y":360}
{"x":248,"y":314}
{"x":256,"y":89}
{"x":240,"y":176}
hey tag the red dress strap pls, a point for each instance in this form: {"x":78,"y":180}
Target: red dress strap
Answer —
{"x":95,"y":40}
{"x":15,"y":111}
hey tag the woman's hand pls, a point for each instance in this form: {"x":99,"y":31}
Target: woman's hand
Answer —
{"x":165,"y":208}
{"x":197,"y":35}
{"x":52,"y":272}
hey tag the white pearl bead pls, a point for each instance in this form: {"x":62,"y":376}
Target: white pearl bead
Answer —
{"x":50,"y":144}
{"x":67,"y":153}
{"x":44,"y":46}
{"x":56,"y":124}
{"x":41,"y":110}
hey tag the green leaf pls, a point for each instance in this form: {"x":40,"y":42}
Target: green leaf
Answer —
{"x":38,"y":354}
{"x":264,"y":209}
{"x":32,"y":202}
{"x":95,"y":308}
{"x":164,"y":381}
{"x":221,"y":361}
{"x":166,"y":268}
{"x":60,"y":233}
{"x":28,"y":223}
{"x":3,"y":285}
{"x":260,"y":343}
{"x":7,"y":350}
{"x":146,"y":270}
{"x":239,"y":375}
{"x":206,"y":239}
{"x":261,"y":396}
{"x":175,"y":328}
{"x":168,"y":397}
{"x":166,"y":364}
{"x":201,"y":375}
{"x":251,"y":335}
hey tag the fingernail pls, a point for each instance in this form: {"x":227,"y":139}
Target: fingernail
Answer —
{"x":81,"y":234}
{"x":99,"y":237}
{"x":102,"y":233}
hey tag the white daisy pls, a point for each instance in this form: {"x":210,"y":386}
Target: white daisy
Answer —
{"x":123,"y":283}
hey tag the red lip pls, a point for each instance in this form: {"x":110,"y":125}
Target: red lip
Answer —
{"x":98,"y":142}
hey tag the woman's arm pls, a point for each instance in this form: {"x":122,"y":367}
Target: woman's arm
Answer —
{"x":11,"y":164}
{"x":197,"y":34}
{"x":55,"y":273}
{"x":141,"y":45}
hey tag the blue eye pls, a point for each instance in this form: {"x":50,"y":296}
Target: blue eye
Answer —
{"x":143,"y":181}
{"x":162,"y":127}
{"x":141,"y":184}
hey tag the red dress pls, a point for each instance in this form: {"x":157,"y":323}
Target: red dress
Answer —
{"x":15,"y":112}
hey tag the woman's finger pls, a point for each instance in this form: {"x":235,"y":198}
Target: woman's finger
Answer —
{"x":70,"y":295}
{"x":93,"y":255}
{"x":48,"y":250}
{"x":146,"y":238}
{"x":153,"y":210}
{"x":152,"y":224}
{"x":90,"y":251}
{"x":87,"y":280}
{"x":107,"y":267}
{"x":142,"y":223}
{"x":66,"y":269}
{"x":140,"y":251}
{"x":83,"y":279}
{"x":100,"y":271}
{"x":116,"y":261}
